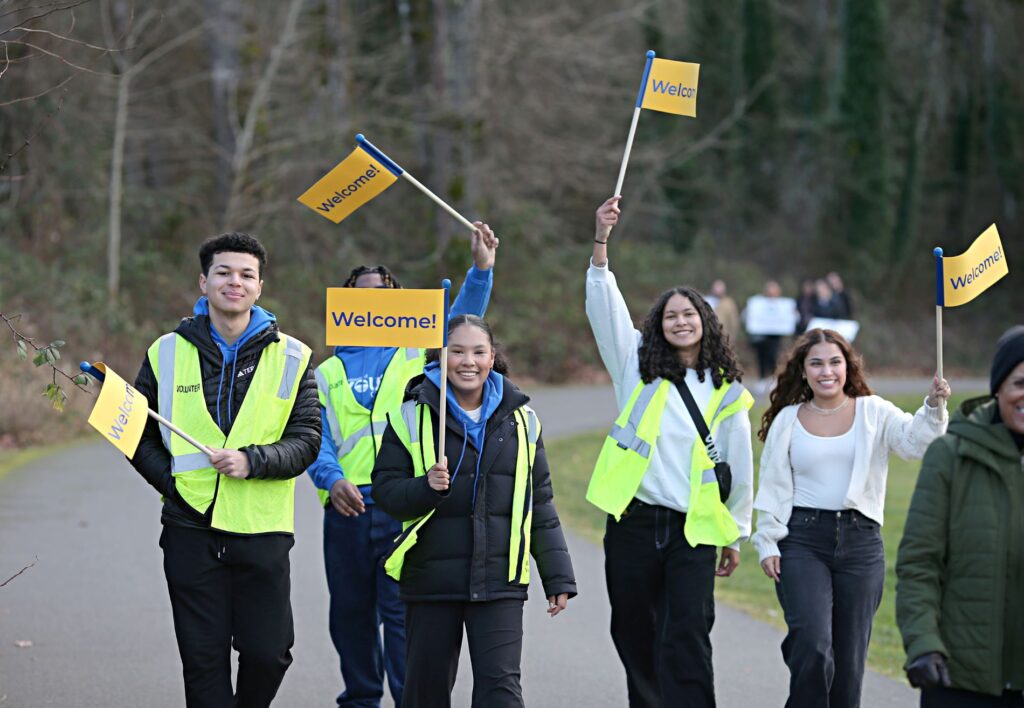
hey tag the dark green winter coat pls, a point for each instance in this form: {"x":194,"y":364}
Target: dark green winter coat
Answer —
{"x":960,"y":567}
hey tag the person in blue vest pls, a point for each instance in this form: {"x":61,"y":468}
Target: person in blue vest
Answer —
{"x":674,"y":494}
{"x":358,"y":385}
{"x":473,"y":518}
{"x":231,"y":379}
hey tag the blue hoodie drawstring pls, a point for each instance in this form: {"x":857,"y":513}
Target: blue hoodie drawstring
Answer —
{"x":231,"y":389}
{"x":479,"y":457}
{"x":219,"y":385}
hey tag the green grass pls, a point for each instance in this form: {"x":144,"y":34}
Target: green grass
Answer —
{"x":23,"y":456}
{"x":572,"y":460}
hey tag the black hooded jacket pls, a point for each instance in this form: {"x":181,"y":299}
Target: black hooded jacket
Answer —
{"x":284,"y":459}
{"x":462,"y":553}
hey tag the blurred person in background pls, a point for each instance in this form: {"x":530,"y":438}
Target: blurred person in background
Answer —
{"x":726,"y":309}
{"x":842,"y":304}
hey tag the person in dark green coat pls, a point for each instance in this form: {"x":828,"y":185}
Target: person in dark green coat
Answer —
{"x":960,"y":567}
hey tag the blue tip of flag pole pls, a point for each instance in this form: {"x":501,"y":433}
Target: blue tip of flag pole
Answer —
{"x":446,"y":284}
{"x":937,"y":252}
{"x":650,"y":53}
{"x":92,"y":371}
{"x":360,"y":137}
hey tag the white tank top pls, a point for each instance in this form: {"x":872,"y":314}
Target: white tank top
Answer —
{"x":822,"y":467}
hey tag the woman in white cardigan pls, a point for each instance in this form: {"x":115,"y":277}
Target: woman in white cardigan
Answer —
{"x":820,"y":506}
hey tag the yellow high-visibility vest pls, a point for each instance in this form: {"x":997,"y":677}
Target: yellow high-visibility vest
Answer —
{"x":357,"y":431}
{"x":627,"y":451}
{"x":414,"y":427}
{"x":243,"y":506}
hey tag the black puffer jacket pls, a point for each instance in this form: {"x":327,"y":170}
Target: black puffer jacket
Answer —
{"x":287,"y":458}
{"x":463,"y":553}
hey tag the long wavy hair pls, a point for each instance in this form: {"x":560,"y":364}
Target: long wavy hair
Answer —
{"x":659,"y":359}
{"x":501,"y":364}
{"x":792,"y":386}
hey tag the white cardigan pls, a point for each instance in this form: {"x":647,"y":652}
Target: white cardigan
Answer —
{"x":879,"y":428}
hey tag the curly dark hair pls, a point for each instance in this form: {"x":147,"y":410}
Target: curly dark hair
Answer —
{"x":659,"y":359}
{"x":501,"y":364}
{"x":390,"y":281}
{"x":233,"y":242}
{"x":793,"y":388}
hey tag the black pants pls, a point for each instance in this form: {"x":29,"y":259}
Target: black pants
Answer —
{"x":831,"y":581}
{"x":433,"y":642}
{"x":767,"y":349}
{"x":662,"y":597}
{"x":230,"y":591}
{"x":955,"y":698}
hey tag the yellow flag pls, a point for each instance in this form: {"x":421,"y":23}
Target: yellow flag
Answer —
{"x":671,"y":87}
{"x":354,"y":181}
{"x":385,"y":317}
{"x":120,"y":412}
{"x":963,"y":278}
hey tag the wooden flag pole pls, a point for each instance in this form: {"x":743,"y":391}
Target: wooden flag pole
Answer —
{"x":394,"y":168}
{"x":939,"y":301}
{"x":440,"y":202}
{"x":632,"y":126}
{"x":98,"y":375}
{"x":443,"y":417}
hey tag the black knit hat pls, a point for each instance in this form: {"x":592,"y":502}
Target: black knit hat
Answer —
{"x":1009,"y":353}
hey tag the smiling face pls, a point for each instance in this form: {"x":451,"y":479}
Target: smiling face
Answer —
{"x":682,"y":326}
{"x":470,"y":359}
{"x":825,"y":370}
{"x":233,"y":283}
{"x":1011,"y":399}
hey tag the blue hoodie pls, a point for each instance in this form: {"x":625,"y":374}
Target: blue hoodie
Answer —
{"x":472,"y":431}
{"x":259,"y":320}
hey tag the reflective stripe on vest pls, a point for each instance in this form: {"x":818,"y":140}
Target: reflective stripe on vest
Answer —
{"x":244,"y":506}
{"x":626,"y":454}
{"x":356,"y":430}
{"x":414,"y":428}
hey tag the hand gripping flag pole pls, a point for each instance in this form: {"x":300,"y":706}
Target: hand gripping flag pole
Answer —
{"x":447,"y":285}
{"x":100,"y":376}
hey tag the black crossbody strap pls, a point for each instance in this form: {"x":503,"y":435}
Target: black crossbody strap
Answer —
{"x":698,"y":421}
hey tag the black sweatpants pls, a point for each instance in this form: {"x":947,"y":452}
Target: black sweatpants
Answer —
{"x":229,"y":591}
{"x":662,"y":596}
{"x":433,"y":642}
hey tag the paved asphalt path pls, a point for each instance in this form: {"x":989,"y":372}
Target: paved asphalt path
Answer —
{"x":95,"y":608}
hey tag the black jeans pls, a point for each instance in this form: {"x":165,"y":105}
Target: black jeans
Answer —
{"x":229,"y":591}
{"x":955,"y":698}
{"x":662,"y":597}
{"x":832,"y":576}
{"x":433,"y":642}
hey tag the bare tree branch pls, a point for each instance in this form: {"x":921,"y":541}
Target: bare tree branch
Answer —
{"x":40,"y":15}
{"x":20,"y":572}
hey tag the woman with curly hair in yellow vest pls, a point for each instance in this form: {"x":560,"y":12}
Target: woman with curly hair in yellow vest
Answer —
{"x":663,"y":477}
{"x":472,"y":520}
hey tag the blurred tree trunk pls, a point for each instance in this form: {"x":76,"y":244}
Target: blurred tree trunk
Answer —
{"x":864,"y":182}
{"x":223,"y":42}
{"x":760,"y":139}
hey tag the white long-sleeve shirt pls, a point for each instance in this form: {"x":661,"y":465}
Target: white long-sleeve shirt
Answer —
{"x":879,"y":428}
{"x":667,"y":480}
